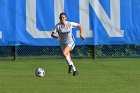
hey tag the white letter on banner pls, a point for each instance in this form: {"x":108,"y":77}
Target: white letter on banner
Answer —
{"x":31,"y":18}
{"x":112,"y":26}
{"x":0,"y":34}
{"x":84,"y":18}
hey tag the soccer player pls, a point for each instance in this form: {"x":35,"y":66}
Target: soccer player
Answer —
{"x":63,"y":31}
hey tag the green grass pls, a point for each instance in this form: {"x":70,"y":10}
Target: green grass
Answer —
{"x":95,"y":76}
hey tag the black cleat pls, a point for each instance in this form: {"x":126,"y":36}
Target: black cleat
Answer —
{"x":75,"y":73}
{"x":70,"y":69}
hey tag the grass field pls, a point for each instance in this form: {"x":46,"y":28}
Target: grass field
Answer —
{"x":95,"y":76}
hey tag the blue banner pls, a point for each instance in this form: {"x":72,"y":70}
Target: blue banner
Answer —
{"x":30,"y":22}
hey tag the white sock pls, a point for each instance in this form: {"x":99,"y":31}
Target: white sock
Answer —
{"x":74,"y":69}
{"x":68,"y":60}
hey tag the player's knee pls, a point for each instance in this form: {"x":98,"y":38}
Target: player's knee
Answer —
{"x":65,"y":53}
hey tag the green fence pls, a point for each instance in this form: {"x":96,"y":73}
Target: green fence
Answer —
{"x":53,"y":52}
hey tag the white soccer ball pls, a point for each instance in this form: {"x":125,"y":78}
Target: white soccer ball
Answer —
{"x":40,"y":72}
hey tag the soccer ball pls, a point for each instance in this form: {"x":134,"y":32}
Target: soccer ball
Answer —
{"x":40,"y":72}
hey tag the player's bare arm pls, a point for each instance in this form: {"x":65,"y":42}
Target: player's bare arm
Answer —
{"x":55,"y":36}
{"x":81,"y":30}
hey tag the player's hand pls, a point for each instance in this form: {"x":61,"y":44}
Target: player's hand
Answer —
{"x":82,"y":37}
{"x":58,"y":37}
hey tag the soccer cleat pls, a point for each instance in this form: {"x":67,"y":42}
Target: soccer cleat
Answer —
{"x":70,"y":69}
{"x":75,"y":73}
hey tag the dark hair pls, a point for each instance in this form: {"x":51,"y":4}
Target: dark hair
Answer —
{"x":63,"y":13}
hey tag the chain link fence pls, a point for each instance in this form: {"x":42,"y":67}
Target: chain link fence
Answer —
{"x":118,"y":51}
{"x":54,"y":52}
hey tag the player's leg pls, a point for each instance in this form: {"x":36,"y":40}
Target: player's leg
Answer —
{"x":66,"y":53}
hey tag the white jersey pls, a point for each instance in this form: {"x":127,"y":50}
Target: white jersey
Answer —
{"x":65,"y":33}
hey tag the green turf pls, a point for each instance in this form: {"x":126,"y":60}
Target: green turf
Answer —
{"x":95,"y":76}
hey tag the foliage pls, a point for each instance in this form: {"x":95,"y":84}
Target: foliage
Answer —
{"x":86,"y":51}
{"x":118,"y":51}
